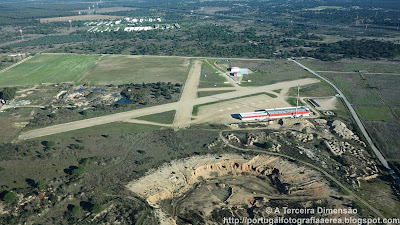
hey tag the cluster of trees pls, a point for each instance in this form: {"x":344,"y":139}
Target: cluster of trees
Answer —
{"x":8,"y":93}
{"x":368,"y":49}
{"x":137,"y":92}
{"x":26,"y":14}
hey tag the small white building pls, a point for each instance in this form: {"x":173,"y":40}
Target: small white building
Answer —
{"x":235,"y":69}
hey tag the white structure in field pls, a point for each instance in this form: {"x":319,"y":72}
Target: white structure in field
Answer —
{"x":238,"y":72}
{"x":235,"y":69}
{"x":130,"y":29}
{"x":292,"y":112}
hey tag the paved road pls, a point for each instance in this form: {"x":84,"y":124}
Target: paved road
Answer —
{"x":126,"y":116}
{"x":358,"y":121}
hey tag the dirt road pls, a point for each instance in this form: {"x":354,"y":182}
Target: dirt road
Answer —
{"x":185,"y":111}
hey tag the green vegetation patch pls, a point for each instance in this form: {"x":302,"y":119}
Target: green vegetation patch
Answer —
{"x":321,"y":89}
{"x":379,"y":194}
{"x":120,"y":69}
{"x":164,"y":117}
{"x":357,"y":90}
{"x":106,"y":129}
{"x":196,"y":107}
{"x":270,"y":72}
{"x":210,"y":77}
{"x":374,"y":113}
{"x":293,"y":101}
{"x":47,"y":68}
{"x":223,"y":193}
{"x":397,"y":111}
{"x":201,"y":94}
{"x":353,"y":65}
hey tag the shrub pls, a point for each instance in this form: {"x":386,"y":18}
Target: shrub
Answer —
{"x":9,"y":197}
{"x":267,"y":145}
{"x":96,"y":208}
{"x":78,"y":170}
{"x":48,"y":145}
{"x":41,"y":184}
{"x":8,"y":93}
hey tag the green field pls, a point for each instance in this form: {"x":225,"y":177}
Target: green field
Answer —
{"x":355,"y":88}
{"x":47,"y":68}
{"x":270,"y":72}
{"x":321,"y":89}
{"x":397,"y":111}
{"x":346,"y":65}
{"x":210,"y":77}
{"x":201,"y":94}
{"x":121,"y":69}
{"x":164,"y":117}
{"x":374,"y":113}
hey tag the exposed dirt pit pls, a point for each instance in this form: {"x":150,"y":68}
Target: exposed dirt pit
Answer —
{"x":206,"y":187}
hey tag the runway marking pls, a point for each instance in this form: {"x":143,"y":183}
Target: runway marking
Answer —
{"x":229,"y":108}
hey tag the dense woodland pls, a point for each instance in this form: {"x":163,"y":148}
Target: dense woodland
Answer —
{"x":200,"y":36}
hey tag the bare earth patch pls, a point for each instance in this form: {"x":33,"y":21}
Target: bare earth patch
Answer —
{"x":326,"y":103}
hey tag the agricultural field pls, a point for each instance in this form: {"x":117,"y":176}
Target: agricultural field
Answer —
{"x":355,"y":88}
{"x":374,"y":113}
{"x":387,"y":86}
{"x":47,"y":68}
{"x":121,"y":69}
{"x":378,"y":81}
{"x":386,"y":136}
{"x":269,"y":72}
{"x":321,"y":89}
{"x":353,"y":65}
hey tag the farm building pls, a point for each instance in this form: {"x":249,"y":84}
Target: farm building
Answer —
{"x":276,"y":113}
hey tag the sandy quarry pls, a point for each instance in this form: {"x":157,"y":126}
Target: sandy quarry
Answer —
{"x":178,"y":177}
